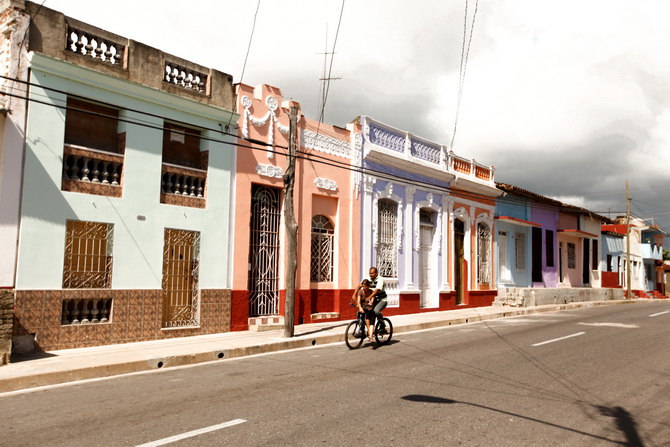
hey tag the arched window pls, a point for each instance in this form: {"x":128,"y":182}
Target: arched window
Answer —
{"x":387,"y":241}
{"x":483,"y":254}
{"x":322,"y":263}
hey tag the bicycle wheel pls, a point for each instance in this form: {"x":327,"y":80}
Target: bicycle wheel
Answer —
{"x":350,"y":336}
{"x":383,"y":337}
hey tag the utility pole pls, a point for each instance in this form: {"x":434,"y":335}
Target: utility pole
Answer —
{"x":628,"y":292}
{"x":291,"y":225}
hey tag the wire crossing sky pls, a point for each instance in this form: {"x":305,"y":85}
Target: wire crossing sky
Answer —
{"x":568,"y":105}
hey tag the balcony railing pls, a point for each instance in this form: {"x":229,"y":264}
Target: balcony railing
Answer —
{"x":100,"y":169}
{"x":183,"y":186}
{"x":650,"y":251}
{"x":461,"y":165}
{"x":184,"y":77}
{"x":95,"y":47}
{"x":483,"y":172}
{"x":412,"y":148}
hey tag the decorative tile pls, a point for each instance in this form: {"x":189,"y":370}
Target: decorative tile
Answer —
{"x":119,"y":331}
{"x":68,"y":334}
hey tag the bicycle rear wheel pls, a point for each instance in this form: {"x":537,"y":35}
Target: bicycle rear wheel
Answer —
{"x":351,"y":337}
{"x":383,"y":337}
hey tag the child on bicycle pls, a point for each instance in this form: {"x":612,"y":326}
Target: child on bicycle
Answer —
{"x":365,"y":302}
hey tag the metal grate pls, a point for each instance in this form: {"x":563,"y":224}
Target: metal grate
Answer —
{"x":88,"y":255}
{"x":181,"y":261}
{"x":264,"y":251}
{"x":483,"y":254}
{"x":323,"y":233}
{"x":387,"y":251}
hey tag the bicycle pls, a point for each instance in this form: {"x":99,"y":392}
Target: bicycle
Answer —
{"x":356,"y":332}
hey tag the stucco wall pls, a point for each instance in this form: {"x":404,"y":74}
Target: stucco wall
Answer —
{"x":138,"y":216}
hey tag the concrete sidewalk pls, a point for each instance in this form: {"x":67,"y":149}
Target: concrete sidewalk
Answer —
{"x":70,"y":365}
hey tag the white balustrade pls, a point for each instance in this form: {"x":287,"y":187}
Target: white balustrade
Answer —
{"x":95,"y":47}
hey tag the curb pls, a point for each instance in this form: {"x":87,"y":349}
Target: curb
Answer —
{"x":22,"y":382}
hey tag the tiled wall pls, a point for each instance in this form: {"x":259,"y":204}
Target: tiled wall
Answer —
{"x":136,"y":316}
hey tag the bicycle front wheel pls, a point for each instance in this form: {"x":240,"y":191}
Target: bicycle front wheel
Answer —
{"x":383,"y":336}
{"x":351,"y":337}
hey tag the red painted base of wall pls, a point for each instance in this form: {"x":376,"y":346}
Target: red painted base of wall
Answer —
{"x":611,"y":280}
{"x":308,"y":302}
{"x":239,"y":310}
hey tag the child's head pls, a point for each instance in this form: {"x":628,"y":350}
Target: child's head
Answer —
{"x":365,"y":283}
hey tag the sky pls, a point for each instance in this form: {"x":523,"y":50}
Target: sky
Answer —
{"x":567,"y":99}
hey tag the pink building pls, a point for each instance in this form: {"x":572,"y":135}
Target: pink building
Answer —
{"x":326,"y":210}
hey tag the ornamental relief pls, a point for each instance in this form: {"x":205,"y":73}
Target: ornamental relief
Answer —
{"x":269,"y":171}
{"x":325,"y":144}
{"x":271,"y":116}
{"x":325,"y":183}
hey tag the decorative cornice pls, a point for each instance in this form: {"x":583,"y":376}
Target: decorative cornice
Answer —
{"x":325,"y":144}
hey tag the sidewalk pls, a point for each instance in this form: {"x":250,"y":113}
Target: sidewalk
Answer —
{"x":70,"y":365}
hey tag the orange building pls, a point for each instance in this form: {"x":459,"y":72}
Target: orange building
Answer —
{"x":325,"y":206}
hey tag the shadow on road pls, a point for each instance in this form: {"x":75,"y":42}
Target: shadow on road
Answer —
{"x":625,"y":423}
{"x":623,"y":418}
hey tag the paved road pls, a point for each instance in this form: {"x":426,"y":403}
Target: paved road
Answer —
{"x":587,"y":377}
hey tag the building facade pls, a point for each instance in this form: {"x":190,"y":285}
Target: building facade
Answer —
{"x":426,"y":220}
{"x":324,"y":206}
{"x":125,"y":212}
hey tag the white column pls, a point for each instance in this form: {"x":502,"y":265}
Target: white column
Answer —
{"x":410,"y":240}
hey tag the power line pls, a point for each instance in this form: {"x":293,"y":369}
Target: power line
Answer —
{"x":464,"y":62}
{"x":328,"y":78}
{"x":265,"y":147}
{"x":246,"y":57}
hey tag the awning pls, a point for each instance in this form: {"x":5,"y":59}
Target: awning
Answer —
{"x":577,"y":233}
{"x":516,"y":221}
{"x":614,"y":245}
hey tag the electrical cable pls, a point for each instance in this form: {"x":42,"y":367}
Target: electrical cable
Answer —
{"x":330,"y":69}
{"x":264,"y":147}
{"x":464,"y":62}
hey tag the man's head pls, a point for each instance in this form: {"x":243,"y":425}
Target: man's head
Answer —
{"x":373,"y":272}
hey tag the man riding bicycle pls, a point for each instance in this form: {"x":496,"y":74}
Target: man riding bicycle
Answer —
{"x":378,"y":293}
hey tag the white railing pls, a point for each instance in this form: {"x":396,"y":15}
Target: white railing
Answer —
{"x":392,"y":292}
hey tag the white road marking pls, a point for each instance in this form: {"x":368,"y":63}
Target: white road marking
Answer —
{"x":559,"y":339}
{"x":660,"y":313}
{"x":193,"y":433}
{"x":628,"y":326}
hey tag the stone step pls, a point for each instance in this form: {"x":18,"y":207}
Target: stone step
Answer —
{"x":266,"y":323}
{"x":325,"y":316}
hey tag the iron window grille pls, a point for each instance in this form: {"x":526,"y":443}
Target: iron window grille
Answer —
{"x":387,"y":247}
{"x":88,"y":255}
{"x":322,"y":262}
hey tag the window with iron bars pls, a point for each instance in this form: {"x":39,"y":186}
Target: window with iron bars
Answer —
{"x":483,"y":254}
{"x":88,"y":255}
{"x":387,"y":246}
{"x":323,"y":233}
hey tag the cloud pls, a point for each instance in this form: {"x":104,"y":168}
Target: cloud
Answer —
{"x":566,"y":99}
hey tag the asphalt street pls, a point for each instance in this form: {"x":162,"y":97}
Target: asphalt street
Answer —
{"x":583,"y":377}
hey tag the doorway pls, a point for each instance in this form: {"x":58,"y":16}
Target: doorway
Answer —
{"x":264,"y":251}
{"x":425,"y":249}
